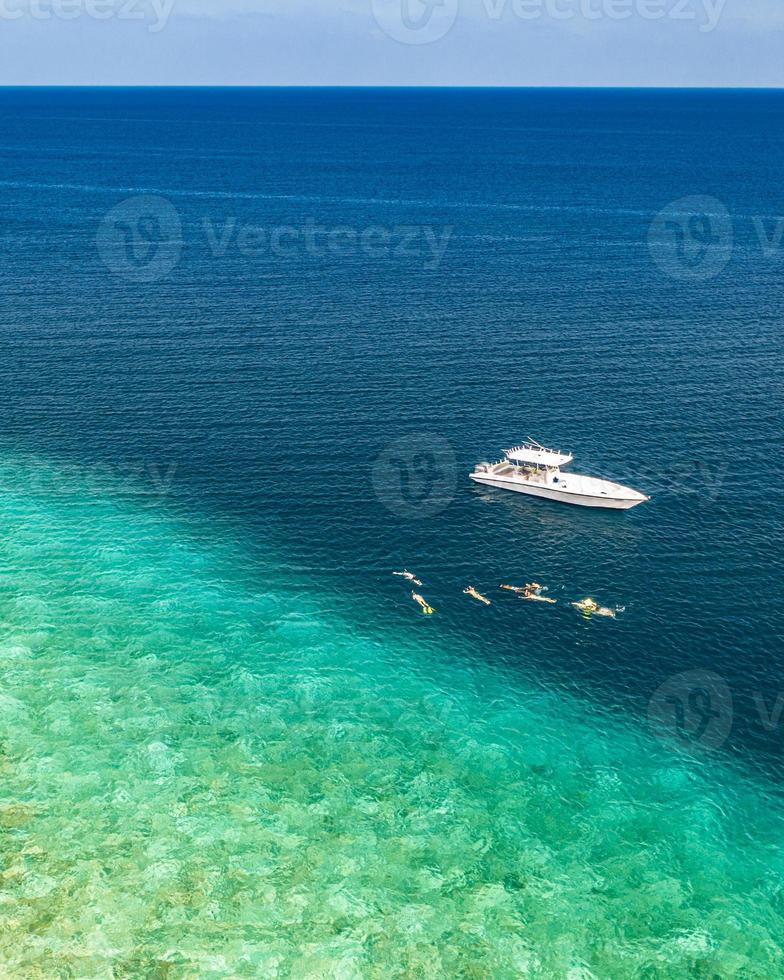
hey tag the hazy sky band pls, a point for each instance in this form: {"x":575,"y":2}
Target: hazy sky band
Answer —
{"x":393,"y":42}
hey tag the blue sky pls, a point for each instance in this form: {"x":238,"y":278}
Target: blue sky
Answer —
{"x":392,"y":42}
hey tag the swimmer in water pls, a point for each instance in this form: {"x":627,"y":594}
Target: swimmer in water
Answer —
{"x":470,"y":590}
{"x":532,"y":591}
{"x":513,"y":588}
{"x":426,"y":609}
{"x":590,"y":607}
{"x":408,"y":576}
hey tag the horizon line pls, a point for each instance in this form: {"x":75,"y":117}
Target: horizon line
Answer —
{"x":352,"y":86}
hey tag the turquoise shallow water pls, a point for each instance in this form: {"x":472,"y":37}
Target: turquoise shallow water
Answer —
{"x":200,"y":778}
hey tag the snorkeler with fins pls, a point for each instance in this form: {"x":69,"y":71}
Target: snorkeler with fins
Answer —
{"x":531,"y":590}
{"x":426,"y":609}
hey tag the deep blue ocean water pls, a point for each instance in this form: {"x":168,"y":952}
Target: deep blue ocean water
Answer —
{"x":311,"y":392}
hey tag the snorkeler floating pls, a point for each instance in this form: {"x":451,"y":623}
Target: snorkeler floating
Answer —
{"x":589,"y":607}
{"x":470,"y":590}
{"x":426,"y":609}
{"x":533,"y":591}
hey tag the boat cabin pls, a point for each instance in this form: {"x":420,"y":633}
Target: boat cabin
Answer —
{"x":531,"y":462}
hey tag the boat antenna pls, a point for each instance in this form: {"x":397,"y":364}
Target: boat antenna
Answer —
{"x":540,"y":446}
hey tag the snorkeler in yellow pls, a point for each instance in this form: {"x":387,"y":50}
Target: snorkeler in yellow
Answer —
{"x":589,"y":606}
{"x":470,"y":590}
{"x":426,"y":609}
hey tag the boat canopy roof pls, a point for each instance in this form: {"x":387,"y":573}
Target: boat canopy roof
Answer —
{"x":534,"y":453}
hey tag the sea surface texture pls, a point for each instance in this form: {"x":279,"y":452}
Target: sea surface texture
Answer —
{"x":251,"y":344}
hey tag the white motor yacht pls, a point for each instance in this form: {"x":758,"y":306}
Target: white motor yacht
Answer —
{"x":535,"y":470}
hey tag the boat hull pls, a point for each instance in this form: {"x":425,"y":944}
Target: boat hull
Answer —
{"x":562,"y":496}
